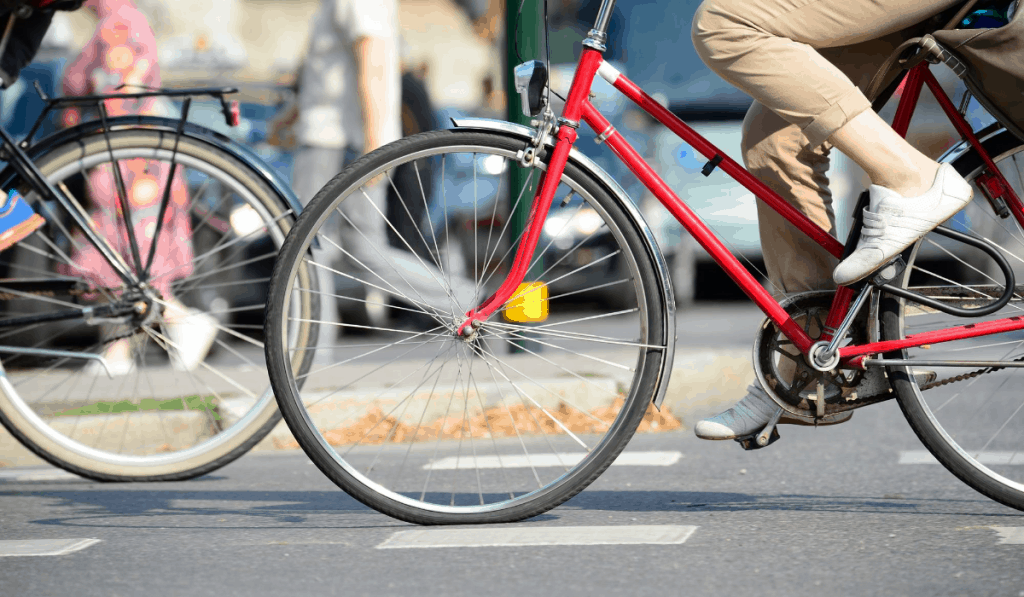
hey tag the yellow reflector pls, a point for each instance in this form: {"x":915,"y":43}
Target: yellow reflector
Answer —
{"x":529,"y":303}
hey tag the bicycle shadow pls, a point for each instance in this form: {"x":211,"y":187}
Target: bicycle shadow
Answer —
{"x":184,"y":509}
{"x":697,"y":501}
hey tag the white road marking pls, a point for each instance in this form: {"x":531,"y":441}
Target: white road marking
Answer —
{"x":519,"y":536}
{"x":990,"y":457}
{"x":44,"y":547}
{"x":549,"y":460}
{"x":1010,"y":535}
{"x":38,"y":474}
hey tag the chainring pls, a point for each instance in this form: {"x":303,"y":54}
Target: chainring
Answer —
{"x":783,"y":370}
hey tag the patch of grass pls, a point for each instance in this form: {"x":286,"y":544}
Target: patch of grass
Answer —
{"x":206,"y":403}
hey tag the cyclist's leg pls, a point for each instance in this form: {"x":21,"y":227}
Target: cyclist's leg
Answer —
{"x":26,"y":37}
{"x":779,"y":154}
{"x":776,"y":152}
{"x":770,"y":50}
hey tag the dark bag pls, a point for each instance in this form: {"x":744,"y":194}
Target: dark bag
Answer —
{"x":27,"y":34}
{"x":996,"y":61}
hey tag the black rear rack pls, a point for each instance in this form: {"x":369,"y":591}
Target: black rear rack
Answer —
{"x":228,"y":107}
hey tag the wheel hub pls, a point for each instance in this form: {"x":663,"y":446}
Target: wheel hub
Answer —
{"x":469,"y":331}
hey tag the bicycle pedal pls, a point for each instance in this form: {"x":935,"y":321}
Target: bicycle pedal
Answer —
{"x":888,"y":272}
{"x":750,"y":442}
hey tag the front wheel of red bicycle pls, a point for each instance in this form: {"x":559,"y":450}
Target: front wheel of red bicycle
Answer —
{"x":432,"y":427}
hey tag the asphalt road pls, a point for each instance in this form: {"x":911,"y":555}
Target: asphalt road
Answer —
{"x":822,"y":512}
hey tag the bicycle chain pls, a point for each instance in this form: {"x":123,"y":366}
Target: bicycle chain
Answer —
{"x":954,"y":379}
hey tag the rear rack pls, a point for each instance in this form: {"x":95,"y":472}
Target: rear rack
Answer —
{"x":229,"y":108}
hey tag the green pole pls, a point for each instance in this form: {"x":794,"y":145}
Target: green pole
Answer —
{"x":523,"y":33}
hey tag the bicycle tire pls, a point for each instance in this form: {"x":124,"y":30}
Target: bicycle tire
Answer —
{"x":489,"y":157}
{"x":948,"y":420}
{"x":202,"y":426}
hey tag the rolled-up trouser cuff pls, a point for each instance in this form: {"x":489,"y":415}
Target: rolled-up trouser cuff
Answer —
{"x":837,"y":115}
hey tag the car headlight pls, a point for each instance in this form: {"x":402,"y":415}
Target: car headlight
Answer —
{"x":245,"y":221}
{"x":587,"y":221}
{"x":491,"y":164}
{"x":567,"y":228}
{"x":555,"y":226}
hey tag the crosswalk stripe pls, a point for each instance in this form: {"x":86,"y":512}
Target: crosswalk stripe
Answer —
{"x":987,"y":457}
{"x":520,"y":536}
{"x":1010,"y":535}
{"x":548,"y":460}
{"x":38,"y":474}
{"x":44,"y":547}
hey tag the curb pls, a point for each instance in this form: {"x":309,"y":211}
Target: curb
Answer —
{"x":702,"y":383}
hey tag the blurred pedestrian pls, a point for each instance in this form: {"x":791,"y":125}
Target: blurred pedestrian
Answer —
{"x":349,"y":103}
{"x":121,"y":57}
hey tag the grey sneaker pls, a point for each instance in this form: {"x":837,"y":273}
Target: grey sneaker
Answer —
{"x":751,"y":414}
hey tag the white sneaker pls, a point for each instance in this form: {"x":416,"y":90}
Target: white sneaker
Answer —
{"x":751,"y":414}
{"x":117,"y":368}
{"x":892,"y":222}
{"x":192,"y":337}
{"x":119,"y":358}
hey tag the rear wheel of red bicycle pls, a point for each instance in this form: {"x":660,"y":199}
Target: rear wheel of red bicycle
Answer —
{"x":426,"y":425}
{"x":974,"y":427}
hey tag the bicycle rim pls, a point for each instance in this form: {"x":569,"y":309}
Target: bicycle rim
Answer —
{"x":430,"y":427}
{"x":186,"y":391}
{"x":974,"y":427}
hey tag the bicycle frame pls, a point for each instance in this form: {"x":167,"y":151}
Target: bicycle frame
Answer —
{"x":579,"y":108}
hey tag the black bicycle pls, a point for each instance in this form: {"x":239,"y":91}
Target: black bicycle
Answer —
{"x":134,"y":351}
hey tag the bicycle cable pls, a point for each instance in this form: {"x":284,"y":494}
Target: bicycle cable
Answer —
{"x":547,"y":49}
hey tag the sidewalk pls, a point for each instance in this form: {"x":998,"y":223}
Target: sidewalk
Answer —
{"x":703,"y":382}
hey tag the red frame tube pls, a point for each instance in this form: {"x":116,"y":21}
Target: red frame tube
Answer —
{"x":962,"y":127}
{"x":578,"y":107}
{"x":589,"y":63}
{"x":696,"y":227}
{"x":728,"y":165}
{"x":971,"y":330}
{"x":908,"y":101}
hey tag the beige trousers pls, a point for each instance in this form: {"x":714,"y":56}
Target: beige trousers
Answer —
{"x":805,"y":62}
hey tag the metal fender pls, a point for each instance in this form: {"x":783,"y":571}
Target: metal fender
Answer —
{"x":650,"y":245}
{"x":960,"y":149}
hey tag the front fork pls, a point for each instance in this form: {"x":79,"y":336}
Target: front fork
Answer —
{"x":590,"y":60}
{"x":534,"y":225}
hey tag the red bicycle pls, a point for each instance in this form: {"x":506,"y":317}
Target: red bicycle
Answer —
{"x":507,"y":393}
